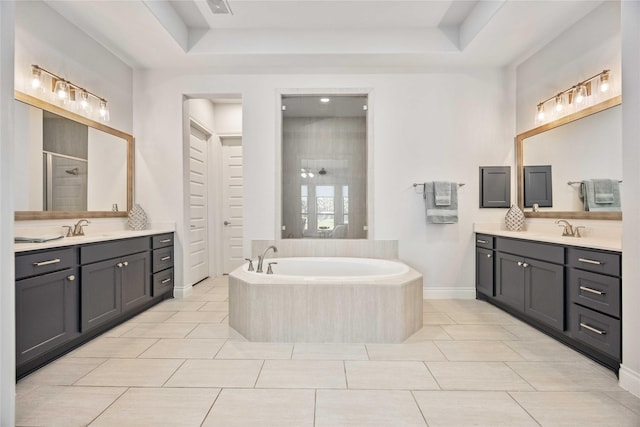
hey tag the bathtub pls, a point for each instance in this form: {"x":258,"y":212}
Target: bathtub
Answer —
{"x":318,"y":299}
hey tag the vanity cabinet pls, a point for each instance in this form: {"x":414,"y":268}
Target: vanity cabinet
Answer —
{"x":571,"y":293}
{"x":46,"y":302}
{"x":162,"y":264}
{"x":66,"y":296}
{"x":484,"y":264}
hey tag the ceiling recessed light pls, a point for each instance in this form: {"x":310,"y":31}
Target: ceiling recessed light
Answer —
{"x":325,"y":100}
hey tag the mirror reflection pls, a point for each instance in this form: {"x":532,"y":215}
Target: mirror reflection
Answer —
{"x":324,"y":166}
{"x":575,"y":166}
{"x":66,"y":166}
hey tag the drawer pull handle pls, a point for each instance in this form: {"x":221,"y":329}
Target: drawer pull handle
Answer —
{"x":519,"y":263}
{"x":590,"y":261}
{"x":165,"y":281}
{"x":71,"y":278}
{"x":592,"y":329}
{"x":51,"y":261}
{"x":165,"y":258}
{"x":593,"y":291}
{"x":120,"y":265}
{"x":165,"y":241}
{"x":126,"y":263}
{"x":488,"y":255}
{"x":525,"y":265}
{"x":481,"y":241}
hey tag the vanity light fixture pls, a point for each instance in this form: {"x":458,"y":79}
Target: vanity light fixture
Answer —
{"x":65,"y":91}
{"x":575,"y":98}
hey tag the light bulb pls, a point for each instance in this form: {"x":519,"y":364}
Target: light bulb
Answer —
{"x":36,"y":79}
{"x":580,"y":94}
{"x":325,"y":100}
{"x":559,"y":104}
{"x":62,"y":91}
{"x":104,"y":111}
{"x":604,"y":81}
{"x":84,"y":101}
{"x":303,"y":174}
{"x":540,"y":114}
{"x":310,"y":174}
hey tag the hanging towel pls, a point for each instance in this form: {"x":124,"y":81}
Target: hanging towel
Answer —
{"x":442,"y":193}
{"x":592,"y":202}
{"x":440,"y":214}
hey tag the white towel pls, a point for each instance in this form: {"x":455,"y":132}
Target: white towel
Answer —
{"x":442,"y":193}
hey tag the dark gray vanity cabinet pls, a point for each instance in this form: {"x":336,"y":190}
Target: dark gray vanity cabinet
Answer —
{"x":46,"y":304}
{"x":162,"y":267}
{"x":571,"y":293}
{"x":116,"y":284}
{"x":484,"y":264}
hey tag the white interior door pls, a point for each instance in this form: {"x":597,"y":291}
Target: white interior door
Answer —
{"x":232,"y":203}
{"x":198,"y":199}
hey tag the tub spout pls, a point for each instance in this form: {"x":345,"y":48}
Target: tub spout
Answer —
{"x":261,"y":257}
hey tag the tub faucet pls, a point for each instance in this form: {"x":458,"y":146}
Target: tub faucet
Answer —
{"x":261,"y":257}
{"x":77,"y":228}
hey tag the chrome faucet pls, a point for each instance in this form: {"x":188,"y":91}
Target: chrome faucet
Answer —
{"x":569,"y":230}
{"x":78,"y":227}
{"x":261,"y":257}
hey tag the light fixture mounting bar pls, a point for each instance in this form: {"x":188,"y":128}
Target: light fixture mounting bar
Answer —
{"x":56,"y":77}
{"x":585,"y":81}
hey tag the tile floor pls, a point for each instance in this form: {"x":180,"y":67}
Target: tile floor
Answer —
{"x":180,"y":364}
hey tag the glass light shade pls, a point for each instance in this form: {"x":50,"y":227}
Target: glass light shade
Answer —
{"x":37,"y":79}
{"x":540,"y":115}
{"x":325,"y":100}
{"x":580,"y":94}
{"x":84,"y":102}
{"x":62,"y":91}
{"x":559,"y":103}
{"x":310,"y":175}
{"x":104,"y":111}
{"x":604,"y":82}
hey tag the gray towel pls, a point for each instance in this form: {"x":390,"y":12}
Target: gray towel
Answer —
{"x":603,"y":191}
{"x":588,"y":196}
{"x":440,"y":214}
{"x":442,"y":192}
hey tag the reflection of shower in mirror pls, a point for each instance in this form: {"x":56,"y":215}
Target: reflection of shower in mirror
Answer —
{"x":73,"y":171}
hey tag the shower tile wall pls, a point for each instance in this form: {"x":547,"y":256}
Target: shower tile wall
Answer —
{"x":384,"y":249}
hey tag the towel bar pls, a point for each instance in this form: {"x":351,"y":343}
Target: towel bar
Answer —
{"x":579,"y":182}
{"x":415,"y":184}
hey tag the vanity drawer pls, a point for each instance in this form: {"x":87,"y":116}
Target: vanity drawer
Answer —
{"x":484,"y":241}
{"x":162,"y":258}
{"x":113,"y":249}
{"x":597,"y":330}
{"x":541,"y":251}
{"x":162,"y":282}
{"x":32,"y":264}
{"x":596,"y":261}
{"x":162,"y":240}
{"x":595,"y":291}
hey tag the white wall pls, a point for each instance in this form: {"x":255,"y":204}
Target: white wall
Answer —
{"x":425,"y":127}
{"x":630,"y":370}
{"x":7,"y":288}
{"x":585,"y":49}
{"x":45,"y":38}
{"x":228,"y":118}
{"x":106,"y":172}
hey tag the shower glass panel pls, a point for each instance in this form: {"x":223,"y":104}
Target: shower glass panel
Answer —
{"x":324,"y":166}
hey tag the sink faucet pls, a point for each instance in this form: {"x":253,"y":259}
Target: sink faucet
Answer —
{"x":77,"y":228}
{"x":568,"y":228}
{"x":261,"y":257}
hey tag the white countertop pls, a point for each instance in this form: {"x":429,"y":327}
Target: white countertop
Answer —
{"x":608,"y":243}
{"x":89,"y":238}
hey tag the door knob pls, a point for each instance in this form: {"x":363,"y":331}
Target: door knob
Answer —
{"x":226,"y":223}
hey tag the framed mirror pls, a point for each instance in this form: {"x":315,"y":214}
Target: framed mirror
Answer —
{"x":553,"y":161}
{"x":69,"y":166}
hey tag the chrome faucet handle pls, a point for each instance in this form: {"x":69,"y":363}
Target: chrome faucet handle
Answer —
{"x":576,"y":230}
{"x":269,"y":270}
{"x":250,"y":268}
{"x":68,"y":227}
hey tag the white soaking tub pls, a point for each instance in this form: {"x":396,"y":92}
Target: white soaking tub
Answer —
{"x":333,"y":299}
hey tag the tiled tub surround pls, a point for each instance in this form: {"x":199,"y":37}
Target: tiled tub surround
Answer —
{"x":279,"y":308}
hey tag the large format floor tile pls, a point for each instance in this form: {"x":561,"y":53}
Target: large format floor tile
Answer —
{"x":478,"y":332}
{"x":262,"y":407}
{"x":477,"y":351}
{"x":302,"y":374}
{"x":137,"y":407}
{"x":216,"y":373}
{"x":65,"y":406}
{"x":171,"y":348}
{"x":64,"y":371}
{"x":131,"y":373}
{"x":367,"y":408}
{"x":161,"y":330}
{"x":389,"y":375}
{"x":424,"y":350}
{"x":566,"y":376}
{"x":114,"y":347}
{"x":545,"y":351}
{"x":329,"y":351}
{"x":255,"y":350}
{"x":472,"y":408}
{"x":495,"y":376}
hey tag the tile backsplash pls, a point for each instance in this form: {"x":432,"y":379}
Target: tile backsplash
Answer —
{"x":385,"y":249}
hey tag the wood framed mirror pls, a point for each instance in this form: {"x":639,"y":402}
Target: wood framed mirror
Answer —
{"x":573,"y":150}
{"x":69,"y":166}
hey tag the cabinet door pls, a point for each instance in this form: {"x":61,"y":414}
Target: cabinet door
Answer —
{"x":510,"y":280}
{"x":46,"y":313}
{"x":136,"y":275}
{"x":544,"y":292}
{"x":484,"y":271}
{"x":100,"y":293}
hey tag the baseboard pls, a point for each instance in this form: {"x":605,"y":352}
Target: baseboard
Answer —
{"x":629,"y":380}
{"x":448,"y":293}
{"x":180,"y":293}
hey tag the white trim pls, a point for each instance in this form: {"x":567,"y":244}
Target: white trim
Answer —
{"x":180,"y":293}
{"x":448,"y":292}
{"x":629,"y":380}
